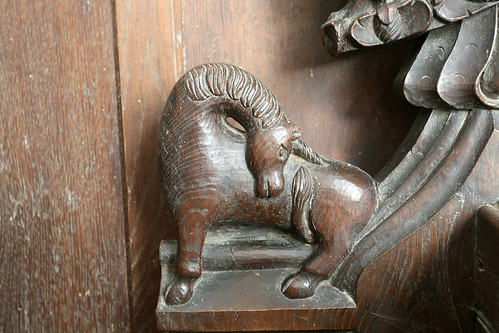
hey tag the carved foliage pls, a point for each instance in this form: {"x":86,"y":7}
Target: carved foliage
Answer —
{"x":455,"y":68}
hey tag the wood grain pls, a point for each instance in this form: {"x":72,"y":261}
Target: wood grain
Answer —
{"x":486,"y":287}
{"x":425,"y":282}
{"x":342,"y":114}
{"x":62,"y":247}
{"x":62,"y":224}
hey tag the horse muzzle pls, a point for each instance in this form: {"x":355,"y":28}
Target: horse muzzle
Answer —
{"x":270,"y":185}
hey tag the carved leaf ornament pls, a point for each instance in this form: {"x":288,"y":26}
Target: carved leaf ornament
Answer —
{"x":455,"y":69}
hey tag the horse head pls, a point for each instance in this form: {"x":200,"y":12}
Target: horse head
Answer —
{"x":267,"y":151}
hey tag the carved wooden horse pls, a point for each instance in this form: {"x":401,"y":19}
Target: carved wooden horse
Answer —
{"x":214,"y":172}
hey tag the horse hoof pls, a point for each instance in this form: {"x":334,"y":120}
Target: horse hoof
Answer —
{"x":300,"y":285}
{"x":181,"y":291}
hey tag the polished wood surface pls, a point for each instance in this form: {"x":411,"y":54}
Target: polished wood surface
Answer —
{"x":280,"y":43}
{"x":211,"y":172}
{"x":65,"y":225}
{"x":149,"y":60}
{"x":62,"y":247}
{"x":427,"y":182}
{"x":486,"y":286}
{"x":455,"y":67}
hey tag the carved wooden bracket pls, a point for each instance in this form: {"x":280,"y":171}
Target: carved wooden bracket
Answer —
{"x":217,"y":173}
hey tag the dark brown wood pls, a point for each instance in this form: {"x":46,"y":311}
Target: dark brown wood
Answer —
{"x":453,"y":11}
{"x":63,"y":252}
{"x":421,"y":81}
{"x":440,"y":181}
{"x":458,"y":81}
{"x":213,"y":173}
{"x":486,"y":291}
{"x":456,"y":66}
{"x":243,"y":247}
{"x":63,"y":261}
{"x":150,"y":63}
{"x":280,"y":42}
{"x":361,"y":24}
{"x":238,"y":291}
{"x":250,"y":300}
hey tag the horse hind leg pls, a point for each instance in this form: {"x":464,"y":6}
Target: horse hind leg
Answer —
{"x":304,"y":283}
{"x":335,"y":238}
{"x":192,"y":232}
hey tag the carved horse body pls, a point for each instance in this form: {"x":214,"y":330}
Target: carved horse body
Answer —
{"x":213,"y":172}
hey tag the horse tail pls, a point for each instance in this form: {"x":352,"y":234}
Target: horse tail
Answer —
{"x":303,"y":193}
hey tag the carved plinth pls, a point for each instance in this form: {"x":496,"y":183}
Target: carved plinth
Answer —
{"x":240,"y":291}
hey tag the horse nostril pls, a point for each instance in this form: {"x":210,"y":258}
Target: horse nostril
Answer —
{"x":268,"y":189}
{"x":276,"y":187}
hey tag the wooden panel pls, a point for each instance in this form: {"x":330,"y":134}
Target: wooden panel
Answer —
{"x":425,"y":284}
{"x":345,"y":105}
{"x":148,"y":69}
{"x":487,"y":267}
{"x":62,"y":248}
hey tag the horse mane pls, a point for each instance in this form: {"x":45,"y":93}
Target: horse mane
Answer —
{"x":217,"y":79}
{"x":304,"y":151}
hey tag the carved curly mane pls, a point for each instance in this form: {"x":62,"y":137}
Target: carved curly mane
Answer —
{"x":235,"y":83}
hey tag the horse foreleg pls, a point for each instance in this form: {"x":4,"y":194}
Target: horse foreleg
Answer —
{"x":192,"y":232}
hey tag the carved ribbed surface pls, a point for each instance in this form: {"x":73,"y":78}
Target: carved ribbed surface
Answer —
{"x":464,"y":144}
{"x":456,"y":74}
{"x":300,"y":148}
{"x":235,"y":83}
{"x":456,"y":10}
{"x":456,"y":66}
{"x":303,"y":194}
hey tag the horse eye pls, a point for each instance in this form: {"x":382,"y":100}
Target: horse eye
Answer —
{"x":282,"y":152}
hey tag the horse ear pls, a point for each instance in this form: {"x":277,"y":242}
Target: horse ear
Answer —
{"x":294,"y":130}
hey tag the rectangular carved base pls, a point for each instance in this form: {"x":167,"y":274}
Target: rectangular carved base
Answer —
{"x":251,"y":301}
{"x":237,"y":293}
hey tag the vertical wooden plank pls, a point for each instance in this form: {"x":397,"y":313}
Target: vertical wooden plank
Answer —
{"x":62,"y":249}
{"x":150,"y":59}
{"x":486,"y":288}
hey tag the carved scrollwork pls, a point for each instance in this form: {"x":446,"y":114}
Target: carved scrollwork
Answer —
{"x":455,"y":67}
